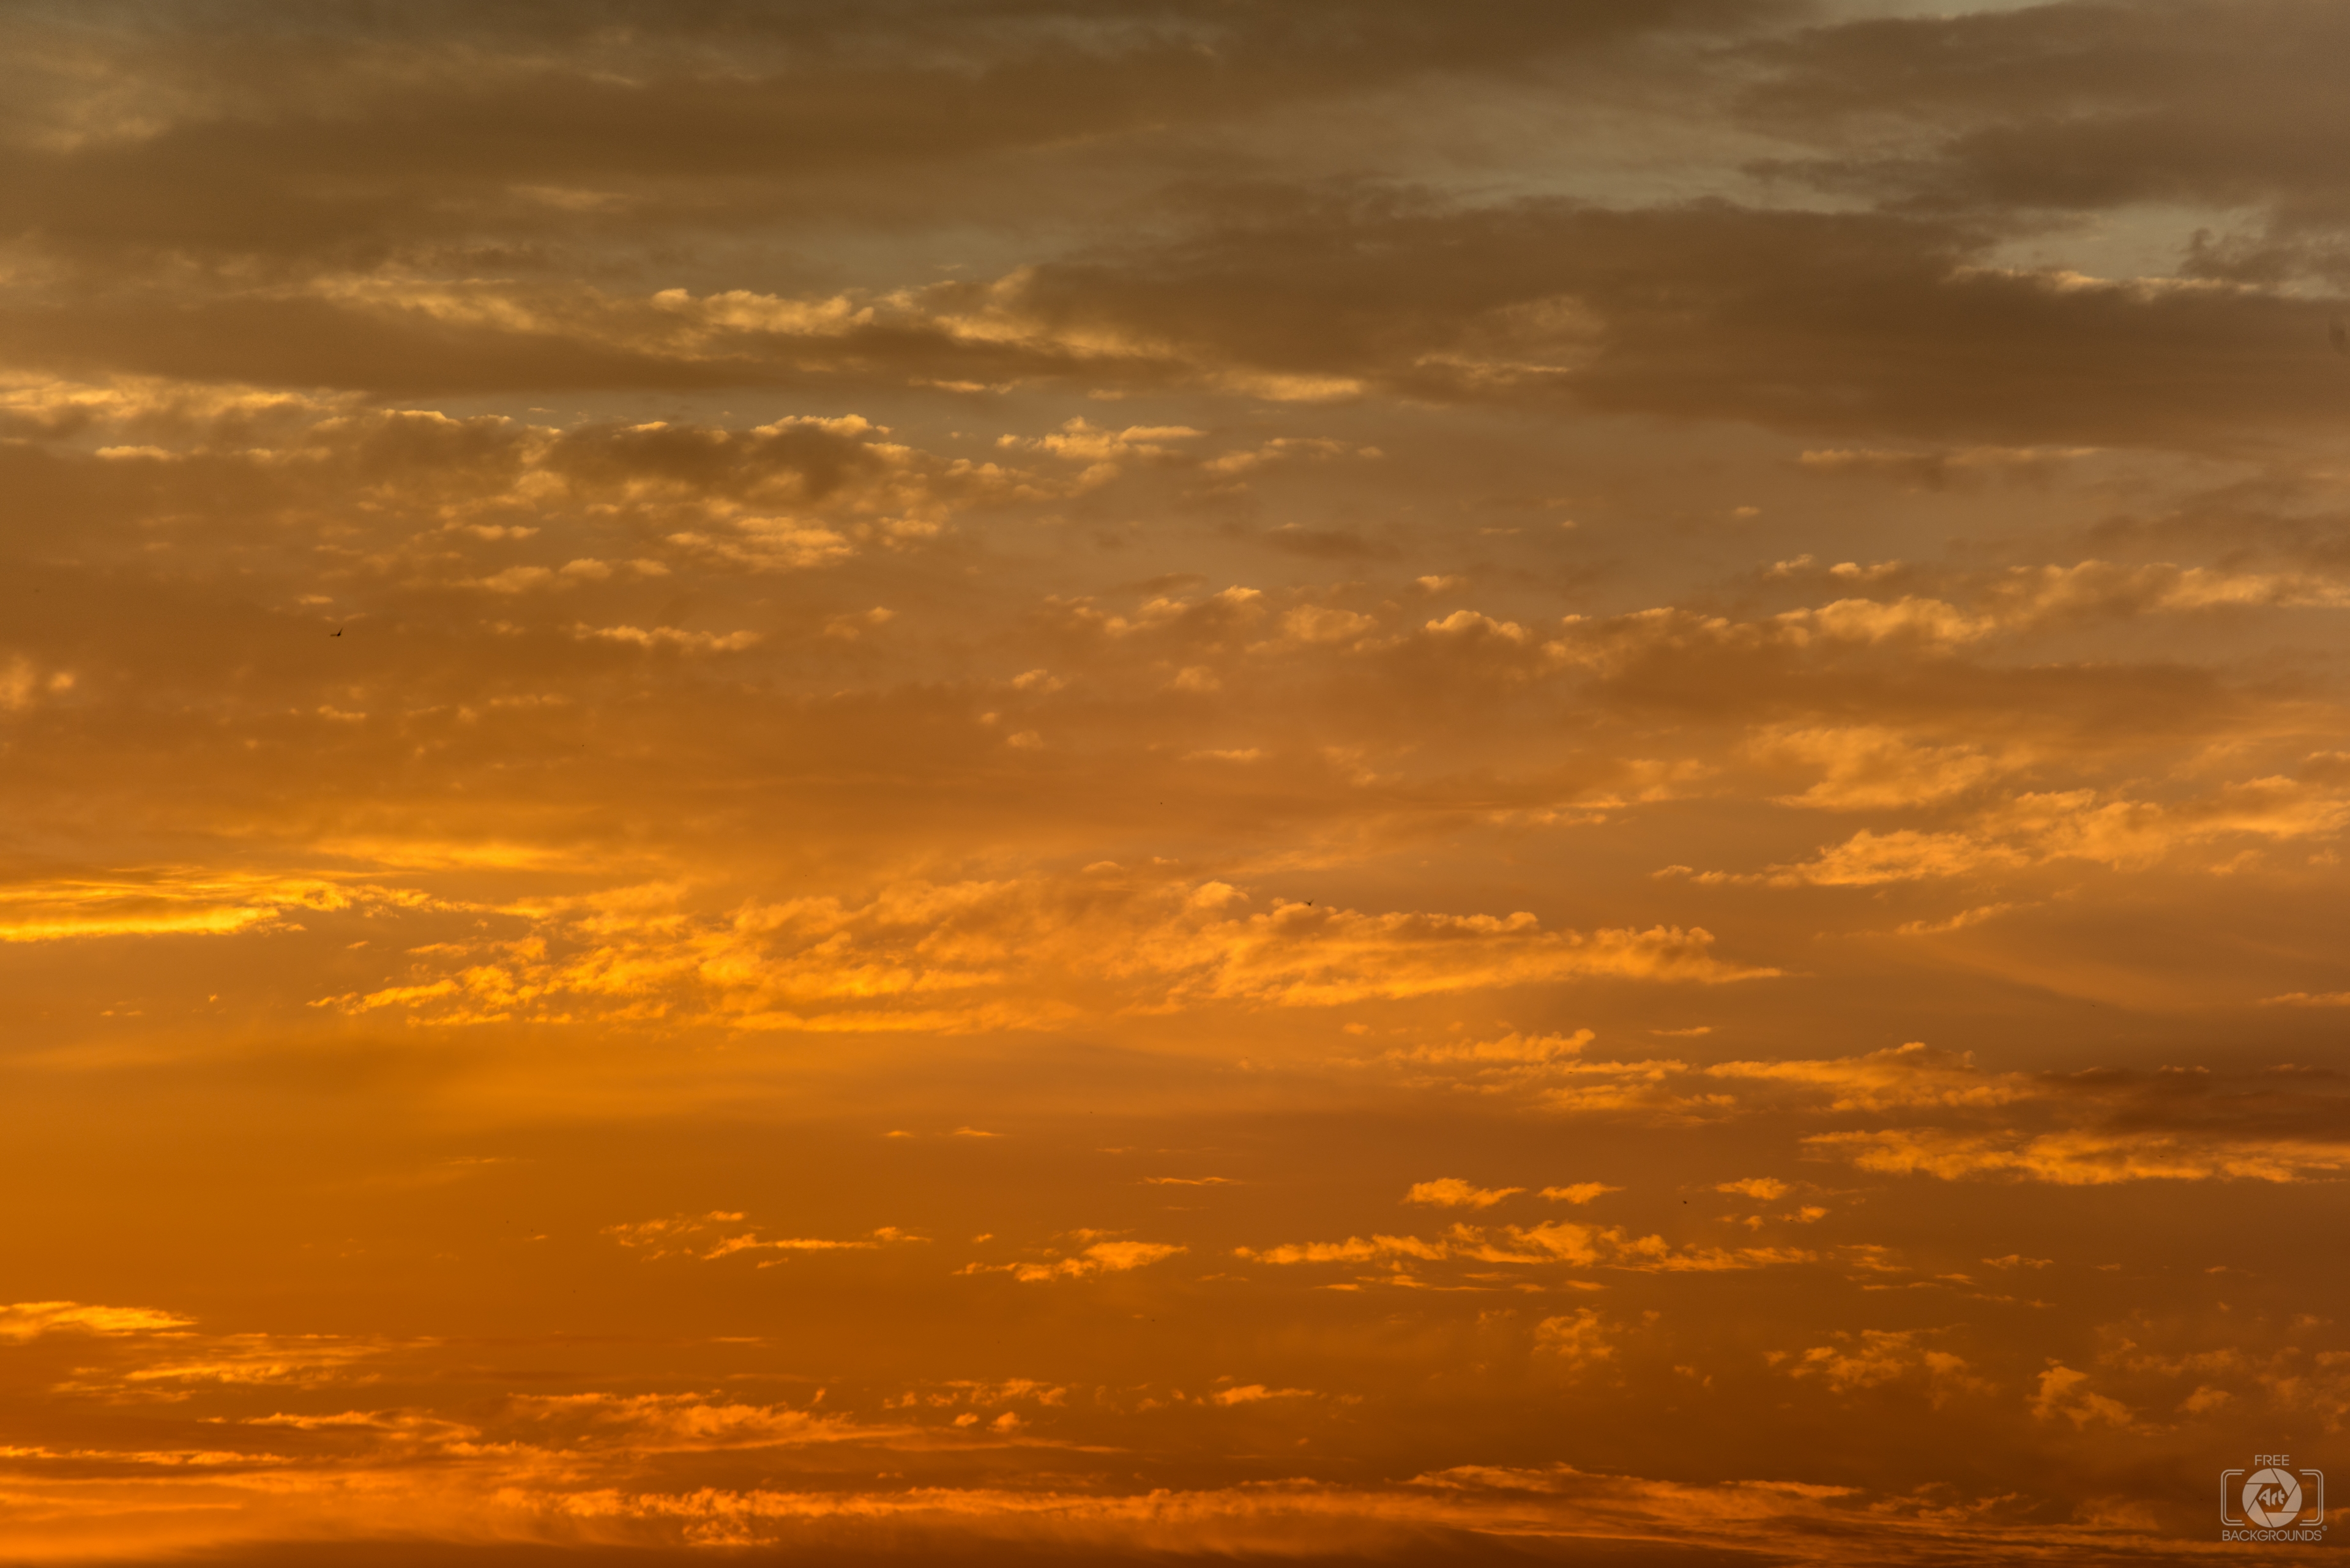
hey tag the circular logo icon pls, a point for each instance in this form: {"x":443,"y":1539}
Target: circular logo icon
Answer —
{"x":2272,"y":1498}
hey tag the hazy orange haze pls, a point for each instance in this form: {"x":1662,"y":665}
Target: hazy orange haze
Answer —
{"x":1014,"y":780}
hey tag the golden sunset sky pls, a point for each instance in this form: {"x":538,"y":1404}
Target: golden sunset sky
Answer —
{"x":1085,"y":781}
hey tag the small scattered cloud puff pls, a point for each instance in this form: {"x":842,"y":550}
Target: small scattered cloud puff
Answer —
{"x":24,"y":683}
{"x":1578,"y":1192}
{"x":1509,"y":1049}
{"x":670,"y":637}
{"x":1875,"y":1358}
{"x":1252,"y":1393}
{"x":703,"y":1236}
{"x":2063,"y":1394}
{"x":1452,"y":1192}
{"x":1578,"y":1339}
{"x":1099,"y":1258}
{"x":1762,"y":1189}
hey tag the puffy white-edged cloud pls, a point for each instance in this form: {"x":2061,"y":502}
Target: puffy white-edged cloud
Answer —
{"x":517,"y":514}
{"x":1105,"y":451}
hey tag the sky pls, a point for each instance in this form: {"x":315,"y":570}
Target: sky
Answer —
{"x":1008,"y":781}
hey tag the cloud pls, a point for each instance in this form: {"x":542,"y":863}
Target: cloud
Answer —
{"x":169,"y":901}
{"x":1578,"y":1192}
{"x":237,"y":1360}
{"x":701,"y":1236}
{"x":1354,"y":1249}
{"x":2063,"y":1394}
{"x":1578,"y":1339}
{"x":1550,"y":1243}
{"x":1452,"y":1192}
{"x":1509,"y":1050}
{"x":1762,"y":1189}
{"x":1099,"y":1258}
{"x":969,"y":956}
{"x":689,"y":1423}
{"x":1871,"y":768}
{"x":30,"y":1320}
{"x":2084,"y":1158}
{"x":680,"y":569}
{"x":2229,"y":133}
{"x":1873,"y":1358}
{"x":1250,"y":1393}
{"x":1912,"y":1074}
{"x":670,"y":637}
{"x":1290,"y":1516}
{"x":2085,"y":825}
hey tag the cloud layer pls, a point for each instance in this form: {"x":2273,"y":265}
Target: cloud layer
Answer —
{"x":968,"y":780}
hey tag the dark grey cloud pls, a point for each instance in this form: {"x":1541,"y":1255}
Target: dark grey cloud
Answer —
{"x":1804,"y":320}
{"x":355,"y":132}
{"x":2084,"y":106}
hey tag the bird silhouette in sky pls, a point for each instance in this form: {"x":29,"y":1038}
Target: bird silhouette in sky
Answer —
{"x":337,"y":632}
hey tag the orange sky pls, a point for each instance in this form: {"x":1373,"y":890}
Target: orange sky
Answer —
{"x":1009,"y":781}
